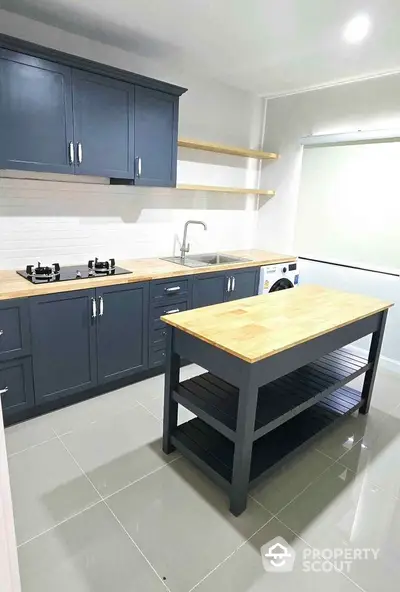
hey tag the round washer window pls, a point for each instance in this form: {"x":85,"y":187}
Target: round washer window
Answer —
{"x":282,"y":284}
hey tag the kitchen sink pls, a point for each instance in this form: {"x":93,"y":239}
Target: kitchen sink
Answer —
{"x":205,"y":260}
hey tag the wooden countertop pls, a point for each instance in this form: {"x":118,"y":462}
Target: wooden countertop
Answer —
{"x":14,"y":286}
{"x":255,"y":328}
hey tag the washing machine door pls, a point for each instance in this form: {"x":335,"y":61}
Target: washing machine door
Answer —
{"x":281,"y":284}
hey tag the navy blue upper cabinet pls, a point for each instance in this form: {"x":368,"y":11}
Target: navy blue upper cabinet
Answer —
{"x":35,"y":114}
{"x":103,"y":125}
{"x":63,"y":114}
{"x":122,"y":330}
{"x":63,"y":344}
{"x":156,"y":138}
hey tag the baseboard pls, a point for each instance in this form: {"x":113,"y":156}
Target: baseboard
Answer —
{"x":384,"y":362}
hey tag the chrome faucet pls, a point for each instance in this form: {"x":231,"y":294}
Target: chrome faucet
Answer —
{"x":186,"y":247}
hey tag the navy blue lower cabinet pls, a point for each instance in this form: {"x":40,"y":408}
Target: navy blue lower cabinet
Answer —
{"x":209,"y":288}
{"x":122,"y":330}
{"x":14,"y":329}
{"x":243,"y":283}
{"x":63,"y":344}
{"x":16,"y":387}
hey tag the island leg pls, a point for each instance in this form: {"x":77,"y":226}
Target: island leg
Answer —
{"x":373,"y":357}
{"x":170,"y":419}
{"x":243,"y":448}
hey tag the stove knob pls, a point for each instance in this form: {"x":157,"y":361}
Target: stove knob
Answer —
{"x":284,"y":270}
{"x":90,"y":264}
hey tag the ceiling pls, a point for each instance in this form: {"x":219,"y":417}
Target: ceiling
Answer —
{"x":268,"y":47}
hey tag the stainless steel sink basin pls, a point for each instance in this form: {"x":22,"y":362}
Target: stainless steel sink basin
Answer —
{"x":205,"y":260}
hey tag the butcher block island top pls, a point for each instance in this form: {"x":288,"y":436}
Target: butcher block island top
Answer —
{"x":14,"y":286}
{"x":258,"y":327}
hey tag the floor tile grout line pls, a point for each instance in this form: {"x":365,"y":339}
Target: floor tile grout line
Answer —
{"x":233,"y":553}
{"x":148,"y":411}
{"x":300,"y":492}
{"x":115,"y":517}
{"x":106,"y":497}
{"x":30,"y":447}
{"x":136,"y":546}
{"x":96,"y":503}
{"x":312,"y":547}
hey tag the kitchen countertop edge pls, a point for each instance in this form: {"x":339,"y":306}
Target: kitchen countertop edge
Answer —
{"x":14,"y":286}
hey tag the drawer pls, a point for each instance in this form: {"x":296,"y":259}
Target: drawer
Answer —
{"x":157,"y":357}
{"x":164,"y":291}
{"x":16,"y":386}
{"x":158,"y":311}
{"x":158,"y":338}
{"x":14,"y":329}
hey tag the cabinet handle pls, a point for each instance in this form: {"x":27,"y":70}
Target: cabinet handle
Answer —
{"x":94,"y":308}
{"x":228,"y":289}
{"x":101,"y":306}
{"x":233,"y":283}
{"x":174,"y":289}
{"x":71,"y":153}
{"x":139,"y":167}
{"x":172,"y":311}
{"x":1,"y":332}
{"x":3,"y":391}
{"x":80,"y":152}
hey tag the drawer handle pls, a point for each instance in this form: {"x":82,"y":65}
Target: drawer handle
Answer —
{"x":1,"y":332}
{"x":171,"y":311}
{"x":3,"y":391}
{"x":174,"y":289}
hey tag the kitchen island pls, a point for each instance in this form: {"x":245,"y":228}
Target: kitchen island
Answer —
{"x":277,"y":369}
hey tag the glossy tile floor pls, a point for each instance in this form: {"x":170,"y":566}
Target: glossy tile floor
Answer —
{"x":98,"y":507}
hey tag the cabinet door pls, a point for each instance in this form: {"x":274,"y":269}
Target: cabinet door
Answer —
{"x":244,"y":283}
{"x":122,"y":330}
{"x":156,"y":127}
{"x":14,"y":329}
{"x":103,"y":125}
{"x":16,"y":387}
{"x":63,"y":330}
{"x":35,"y":114}
{"x":209,"y":289}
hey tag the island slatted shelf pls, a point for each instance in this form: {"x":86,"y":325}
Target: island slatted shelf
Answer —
{"x":269,"y":390}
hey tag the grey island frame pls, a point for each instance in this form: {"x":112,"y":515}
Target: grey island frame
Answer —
{"x":253,"y":416}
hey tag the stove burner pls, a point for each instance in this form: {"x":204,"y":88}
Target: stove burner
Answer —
{"x":101,"y":266}
{"x":43,"y":272}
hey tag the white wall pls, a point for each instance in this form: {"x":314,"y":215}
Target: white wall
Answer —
{"x":9,"y":573}
{"x":72,"y":222}
{"x":371,"y":104}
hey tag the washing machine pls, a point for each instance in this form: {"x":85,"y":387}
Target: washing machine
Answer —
{"x":281,"y":276}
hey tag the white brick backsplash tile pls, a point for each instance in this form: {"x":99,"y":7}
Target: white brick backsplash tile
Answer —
{"x":57,"y":218}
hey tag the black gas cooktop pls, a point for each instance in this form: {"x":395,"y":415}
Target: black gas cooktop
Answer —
{"x":42,"y":274}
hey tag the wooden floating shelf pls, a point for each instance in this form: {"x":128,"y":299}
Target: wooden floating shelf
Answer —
{"x":241,"y":190}
{"x":222,"y":149}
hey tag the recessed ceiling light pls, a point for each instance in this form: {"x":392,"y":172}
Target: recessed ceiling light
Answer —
{"x":357,"y":28}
